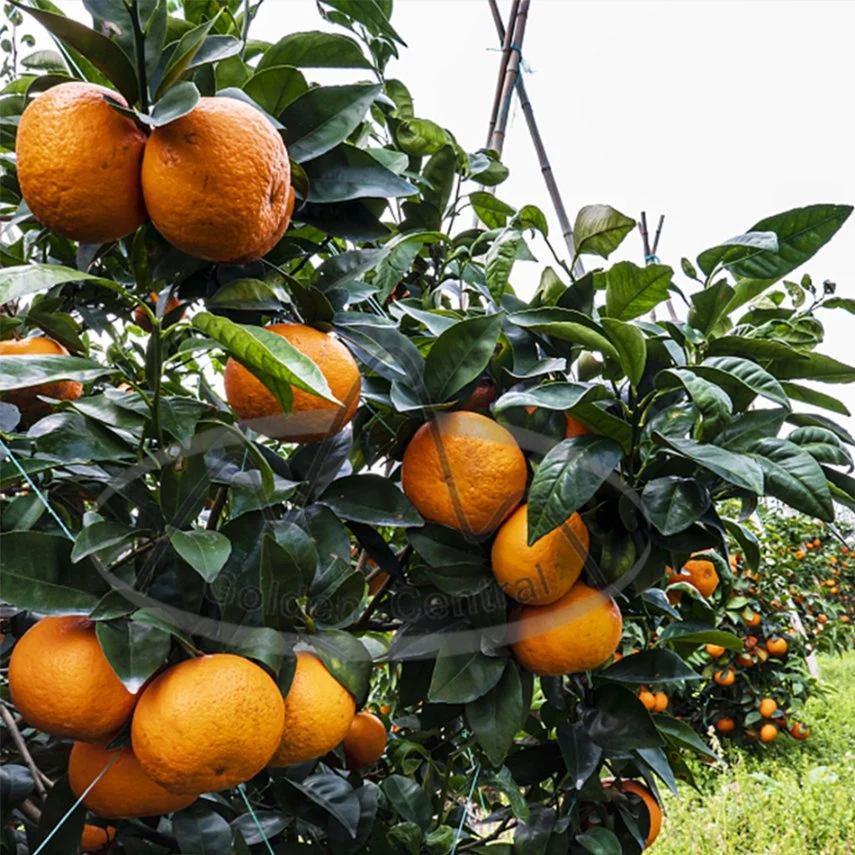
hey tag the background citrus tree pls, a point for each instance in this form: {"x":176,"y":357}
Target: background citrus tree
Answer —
{"x":149,"y":493}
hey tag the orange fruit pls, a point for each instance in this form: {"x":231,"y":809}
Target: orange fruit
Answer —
{"x":465,"y":471}
{"x":799,"y":555}
{"x":311,"y":418}
{"x":124,"y":790}
{"x":654,"y":811}
{"x":726,"y":677}
{"x":482,"y":396}
{"x":715,"y":650}
{"x":576,"y":633}
{"x":746,"y":660}
{"x":750,"y":642}
{"x":799,"y":731}
{"x":575,"y":428}
{"x":698,"y":573}
{"x":95,"y":838}
{"x":768,"y":733}
{"x":725,"y":725}
{"x":79,"y":163}
{"x":767,"y":707}
{"x":25,"y":399}
{"x":207,"y":724}
{"x":217,"y":182}
{"x":750,"y":618}
{"x":648,"y":699}
{"x":318,"y":713}
{"x":823,"y":618}
{"x":817,"y":543}
{"x":140,"y":317}
{"x":777,"y":646}
{"x":661,"y":702}
{"x":365,"y":741}
{"x":62,"y":683}
{"x":542,"y":573}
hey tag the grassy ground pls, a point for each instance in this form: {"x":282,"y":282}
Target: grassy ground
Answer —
{"x":793,"y":799}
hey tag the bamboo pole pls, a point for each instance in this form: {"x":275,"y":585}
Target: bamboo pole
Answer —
{"x":505,"y":37}
{"x":540,"y":149}
{"x":516,"y":25}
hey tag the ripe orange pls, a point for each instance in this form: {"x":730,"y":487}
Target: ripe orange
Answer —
{"x":661,"y":702}
{"x":318,"y":713}
{"x":799,"y":731}
{"x":79,"y":163}
{"x":777,"y":646}
{"x":576,"y":633}
{"x":817,"y":543}
{"x":95,"y":838}
{"x":124,"y":791}
{"x":365,"y":741}
{"x":207,"y":724}
{"x":725,"y":725}
{"x":768,"y":733}
{"x":311,"y":418}
{"x":575,"y":428}
{"x":482,"y":396}
{"x":648,"y":699}
{"x":140,"y":317}
{"x":217,"y":182}
{"x":799,"y":555}
{"x":62,"y":683}
{"x":750,"y":642}
{"x":750,"y":618}
{"x":726,"y":677}
{"x":823,"y":618}
{"x":715,"y":650}
{"x":767,"y":707}
{"x":26,"y":399}
{"x":654,"y":811}
{"x":699,"y":573}
{"x":542,"y":573}
{"x":465,"y":471}
{"x":746,"y":660}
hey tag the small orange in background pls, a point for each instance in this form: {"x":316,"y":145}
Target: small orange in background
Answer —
{"x":768,"y":733}
{"x":726,"y":677}
{"x":654,"y":811}
{"x":799,"y":555}
{"x":482,"y":396}
{"x":750,"y":642}
{"x":767,"y":707}
{"x":777,"y":646}
{"x":725,"y":725}
{"x":751,"y":734}
{"x":817,"y":543}
{"x":823,"y":618}
{"x":699,"y":573}
{"x":661,"y":700}
{"x":544,"y":572}
{"x":26,"y":398}
{"x":575,"y":428}
{"x":311,"y":418}
{"x":715,"y":650}
{"x":746,"y":660}
{"x":95,"y":838}
{"x":799,"y":731}
{"x":365,"y":741}
{"x":140,"y":317}
{"x":750,"y":618}
{"x":844,"y":618}
{"x":648,"y":699}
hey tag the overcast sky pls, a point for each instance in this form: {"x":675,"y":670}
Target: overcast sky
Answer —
{"x":713,"y":112}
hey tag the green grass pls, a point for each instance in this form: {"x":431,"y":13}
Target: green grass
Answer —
{"x":792,"y":799}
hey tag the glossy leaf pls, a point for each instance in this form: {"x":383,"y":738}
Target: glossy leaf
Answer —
{"x":650,"y":666}
{"x":347,"y":660}
{"x":735,"y":468}
{"x":726,"y":250}
{"x":711,"y":400}
{"x":274,"y":87}
{"x":551,"y":396}
{"x":812,"y":366}
{"x":631,"y":347}
{"x":496,"y":716}
{"x":632,"y":291}
{"x":177,"y":102}
{"x":348,"y":172}
{"x":205,"y":551}
{"x":315,"y":50}
{"x":581,"y":755}
{"x":491,"y":211}
{"x":600,"y":230}
{"x":710,"y":306}
{"x":370,"y":499}
{"x":566,"y":325}
{"x":747,"y":375}
{"x":408,"y":800}
{"x":134,"y":650}
{"x":672,"y":504}
{"x":17,"y":372}
{"x":461,"y":676}
{"x":618,"y":720}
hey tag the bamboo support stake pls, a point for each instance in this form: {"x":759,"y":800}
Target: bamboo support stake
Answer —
{"x":505,"y":37}
{"x":517,"y":25}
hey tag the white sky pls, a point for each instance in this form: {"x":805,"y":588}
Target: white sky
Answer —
{"x":713,"y":112}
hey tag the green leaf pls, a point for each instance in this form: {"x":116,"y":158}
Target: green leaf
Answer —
{"x":801,"y":233}
{"x":101,"y":51}
{"x":821,"y":444}
{"x":600,"y":230}
{"x":496,"y":716}
{"x":315,"y":50}
{"x":455,"y":564}
{"x":618,"y":721}
{"x":347,"y":660}
{"x":277,"y":363}
{"x":461,"y":676}
{"x":631,"y":346}
{"x":348,"y":172}
{"x":177,"y":102}
{"x":62,"y":819}
{"x":599,"y":841}
{"x":568,"y":476}
{"x":408,"y":800}
{"x":793,"y":476}
{"x":681,"y":735}
{"x":531,"y":217}
{"x":710,"y":306}
{"x":650,"y":666}
{"x":199,"y":828}
{"x":249,"y":295}
{"x":797,"y":392}
{"x":370,"y":499}
{"x":500,"y":260}
{"x":460,"y":355}
{"x":335,"y":795}
{"x":812,"y":366}
{"x":672,"y":504}
{"x":101,"y":536}
{"x":699,"y":633}
{"x":18,"y":372}
{"x":134,"y":650}
{"x":734,"y":468}
{"x":35,"y":574}
{"x":373,"y":13}
{"x":325,"y":116}
{"x":632,"y":291}
{"x":183,"y":55}
{"x":747,"y":540}
{"x":551,"y":396}
{"x":746,"y":376}
{"x":814,"y":420}
{"x":339,"y":271}
{"x":420,"y":137}
{"x":73,"y":437}
{"x":185,"y":485}
{"x":579,"y":753}
{"x":713,"y":402}
{"x":273,"y":88}
{"x":727,"y":250}
{"x":205,"y":551}
{"x":491,"y":211}
{"x":566,"y":325}
{"x":845,"y":303}
{"x":284,"y":572}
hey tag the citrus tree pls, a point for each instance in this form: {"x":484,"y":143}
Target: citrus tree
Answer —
{"x":289,"y":466}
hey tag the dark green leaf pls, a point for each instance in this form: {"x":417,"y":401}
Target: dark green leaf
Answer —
{"x":812,"y":366}
{"x":205,"y":551}
{"x":551,"y":396}
{"x":101,"y":536}
{"x":62,"y":817}
{"x":699,"y":633}
{"x":710,"y":306}
{"x":334,"y":795}
{"x":177,"y":102}
{"x":747,"y":375}
{"x":201,"y":830}
{"x":348,"y":172}
{"x":672,"y":504}
{"x":408,"y":800}
{"x":747,"y":541}
{"x":496,"y":716}
{"x":134,"y":650}
{"x":461,"y":675}
{"x":315,"y":50}
{"x":600,"y":230}
{"x":711,"y":400}
{"x":73,"y":437}
{"x":500,"y":260}
{"x":18,"y":372}
{"x":650,"y":666}
{"x":618,"y":720}
{"x":681,"y":735}
{"x":347,"y":659}
{"x":599,"y":841}
{"x":455,"y":564}
{"x":273,"y":88}
{"x":631,"y":346}
{"x":184,"y":488}
{"x":797,"y":392}
{"x":821,"y":444}
{"x":370,"y":499}
{"x":734,"y":468}
{"x":183,"y":55}
{"x":373,"y":13}
{"x":733,"y":249}
{"x":566,"y":325}
{"x":632,"y":291}
{"x":580,"y":754}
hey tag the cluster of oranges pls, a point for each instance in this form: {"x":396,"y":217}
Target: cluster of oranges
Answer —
{"x":202,"y":725}
{"x":216,"y":182}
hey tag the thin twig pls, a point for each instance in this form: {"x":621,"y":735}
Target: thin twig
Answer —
{"x":21,"y":745}
{"x":217,"y":508}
